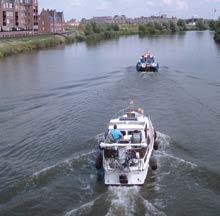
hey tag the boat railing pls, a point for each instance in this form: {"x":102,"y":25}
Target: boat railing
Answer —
{"x":111,"y":145}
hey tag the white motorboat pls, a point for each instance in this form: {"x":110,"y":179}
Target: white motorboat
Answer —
{"x":126,"y":162}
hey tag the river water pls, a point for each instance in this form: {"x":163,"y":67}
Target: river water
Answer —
{"x":54,"y":104}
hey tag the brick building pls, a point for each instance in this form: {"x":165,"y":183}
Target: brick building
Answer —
{"x":51,"y":21}
{"x":19,"y":15}
{"x":1,"y":16}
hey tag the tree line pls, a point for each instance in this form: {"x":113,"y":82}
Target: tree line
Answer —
{"x":151,"y":27}
{"x":215,"y":26}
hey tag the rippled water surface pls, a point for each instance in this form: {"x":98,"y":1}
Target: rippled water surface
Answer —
{"x":54,"y":104}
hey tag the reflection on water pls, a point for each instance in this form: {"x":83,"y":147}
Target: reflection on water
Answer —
{"x":54,"y":102}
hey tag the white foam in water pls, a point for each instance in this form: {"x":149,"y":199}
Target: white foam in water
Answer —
{"x":164,"y":142}
{"x":67,"y":162}
{"x":179,"y":160}
{"x":123,"y":200}
{"x":147,"y":74}
{"x":44,"y":170}
{"x":83,"y":207}
{"x":151,"y":209}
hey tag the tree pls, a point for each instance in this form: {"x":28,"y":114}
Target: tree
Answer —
{"x":173,"y":27}
{"x":166,"y":26}
{"x":158,"y":26}
{"x":217,"y":32}
{"x":200,"y":25}
{"x":142,"y":29}
{"x":182,"y":25}
{"x":97,"y":28}
{"x":115,"y":27}
{"x":88,"y":29}
{"x":212,"y":25}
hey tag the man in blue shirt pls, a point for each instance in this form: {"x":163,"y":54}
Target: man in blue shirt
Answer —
{"x":116,"y":134}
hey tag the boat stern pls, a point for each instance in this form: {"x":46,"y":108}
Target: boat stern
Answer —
{"x":125,"y":178}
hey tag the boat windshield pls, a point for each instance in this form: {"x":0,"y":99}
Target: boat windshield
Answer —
{"x":129,"y":136}
{"x":129,"y":111}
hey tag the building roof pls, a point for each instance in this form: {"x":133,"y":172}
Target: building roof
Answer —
{"x":53,"y":13}
{"x":14,"y":1}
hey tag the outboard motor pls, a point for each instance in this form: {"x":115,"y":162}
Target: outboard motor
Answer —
{"x":123,"y":179}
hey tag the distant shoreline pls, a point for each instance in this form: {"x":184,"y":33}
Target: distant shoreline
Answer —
{"x":89,"y":33}
{"x":217,"y":37}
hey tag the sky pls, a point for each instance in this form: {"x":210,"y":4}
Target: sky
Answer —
{"x":79,"y":9}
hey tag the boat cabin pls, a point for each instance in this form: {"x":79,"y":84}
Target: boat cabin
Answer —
{"x":134,"y":127}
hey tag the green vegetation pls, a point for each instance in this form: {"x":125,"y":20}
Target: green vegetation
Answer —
{"x":182,"y":25}
{"x":94,"y":32}
{"x":201,"y":25}
{"x":14,"y":46}
{"x":91,"y":32}
{"x":101,"y":31}
{"x":215,"y":26}
{"x":217,"y":33}
{"x":165,"y":27}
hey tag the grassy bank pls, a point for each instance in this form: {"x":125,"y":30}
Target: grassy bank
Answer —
{"x":14,"y":46}
{"x":217,"y":33}
{"x":88,"y":33}
{"x":103,"y":31}
{"x":94,"y":32}
{"x":217,"y":36}
{"x":215,"y":26}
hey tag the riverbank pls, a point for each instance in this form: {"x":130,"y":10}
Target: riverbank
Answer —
{"x":215,"y":26}
{"x":217,"y":35}
{"x":13,"y":46}
{"x":91,"y":32}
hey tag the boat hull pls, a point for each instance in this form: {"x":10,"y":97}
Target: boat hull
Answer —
{"x":147,"y":68}
{"x":133,"y":178}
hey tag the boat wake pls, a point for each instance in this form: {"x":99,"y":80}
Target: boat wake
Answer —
{"x":118,"y":201}
{"x":178,"y":161}
{"x":66,"y":164}
{"x":164,"y":141}
{"x":164,"y":153}
{"x":151,"y":209}
{"x":129,"y":201}
{"x":137,"y":200}
{"x":83,"y":209}
{"x":69,"y":165}
{"x":123,"y":200}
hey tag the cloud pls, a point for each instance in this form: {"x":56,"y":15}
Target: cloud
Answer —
{"x":77,"y":3}
{"x":212,"y":1}
{"x":132,"y":8}
{"x":179,"y":4}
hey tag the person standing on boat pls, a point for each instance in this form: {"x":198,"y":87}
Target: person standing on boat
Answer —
{"x":115,"y":135}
